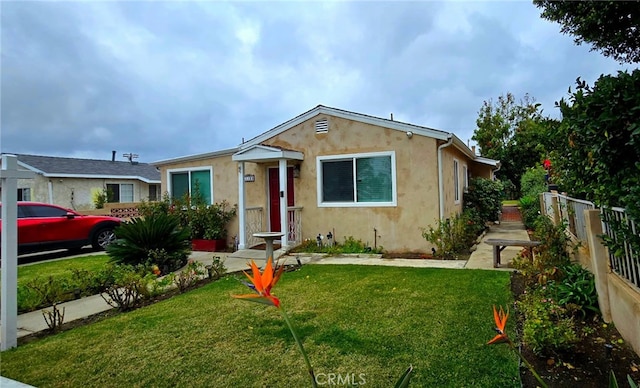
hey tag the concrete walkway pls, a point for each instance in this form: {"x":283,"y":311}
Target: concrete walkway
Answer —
{"x":482,"y":257}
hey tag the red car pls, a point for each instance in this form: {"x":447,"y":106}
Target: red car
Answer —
{"x":44,"y":227}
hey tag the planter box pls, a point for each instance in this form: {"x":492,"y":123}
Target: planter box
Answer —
{"x":208,"y":245}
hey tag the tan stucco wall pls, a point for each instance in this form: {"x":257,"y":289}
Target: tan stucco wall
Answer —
{"x":625,"y":309}
{"x":398,"y":227}
{"x":76,"y":193}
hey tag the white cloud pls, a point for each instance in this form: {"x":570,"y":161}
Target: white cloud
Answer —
{"x":175,"y":78}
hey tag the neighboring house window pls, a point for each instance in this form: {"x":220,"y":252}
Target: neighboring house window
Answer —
{"x":24,"y":194}
{"x":120,"y":192}
{"x":154,"y":192}
{"x":456,"y":182}
{"x":357,"y":180}
{"x":183,"y":182}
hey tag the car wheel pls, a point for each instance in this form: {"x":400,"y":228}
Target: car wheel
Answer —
{"x":102,"y":238}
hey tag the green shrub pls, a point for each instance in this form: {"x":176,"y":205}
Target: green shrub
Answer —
{"x":484,"y":196}
{"x":128,"y":286}
{"x":188,"y":276}
{"x":533,"y":182}
{"x":530,"y":210}
{"x":154,"y":240}
{"x":555,"y":244}
{"x":217,"y":268}
{"x":350,"y":245}
{"x":577,"y":287}
{"x":452,"y":237}
{"x":546,"y":326}
{"x":150,"y":208}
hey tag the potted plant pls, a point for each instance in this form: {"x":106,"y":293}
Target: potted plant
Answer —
{"x":208,"y":225}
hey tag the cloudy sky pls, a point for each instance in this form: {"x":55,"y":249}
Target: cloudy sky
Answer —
{"x":169,"y":79}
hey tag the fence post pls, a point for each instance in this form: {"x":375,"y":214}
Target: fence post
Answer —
{"x":543,"y":205}
{"x":556,"y":210}
{"x":599,"y":260}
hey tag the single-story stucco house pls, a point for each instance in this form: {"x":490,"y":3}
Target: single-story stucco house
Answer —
{"x":331,"y":170}
{"x":71,"y":182}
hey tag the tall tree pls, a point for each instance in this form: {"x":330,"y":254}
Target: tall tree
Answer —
{"x":513,"y":133}
{"x":612,"y":27}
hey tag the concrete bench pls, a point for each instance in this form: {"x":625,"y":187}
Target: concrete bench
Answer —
{"x":499,"y":245}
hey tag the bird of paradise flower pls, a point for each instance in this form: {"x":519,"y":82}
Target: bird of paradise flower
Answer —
{"x":261,"y":283}
{"x":500,"y":317}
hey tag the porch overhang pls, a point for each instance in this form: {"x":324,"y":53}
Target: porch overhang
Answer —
{"x":261,"y":154}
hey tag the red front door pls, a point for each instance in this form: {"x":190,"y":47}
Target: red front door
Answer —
{"x":274,"y":196}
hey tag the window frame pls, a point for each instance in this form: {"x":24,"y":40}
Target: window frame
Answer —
{"x":354,"y":157}
{"x":157,"y":189}
{"x":133,"y":191}
{"x":189,"y":170}
{"x":21,"y":194}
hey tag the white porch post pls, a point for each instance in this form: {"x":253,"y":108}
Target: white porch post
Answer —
{"x":284,"y":219}
{"x":242,"y":238}
{"x":9,"y":176}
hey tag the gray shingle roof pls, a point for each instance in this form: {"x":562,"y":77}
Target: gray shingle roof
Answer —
{"x":90,"y":168}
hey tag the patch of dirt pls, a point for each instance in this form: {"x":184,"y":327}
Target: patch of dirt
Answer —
{"x":588,"y":363}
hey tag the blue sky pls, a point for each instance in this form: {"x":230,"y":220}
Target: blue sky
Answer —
{"x":169,"y":79}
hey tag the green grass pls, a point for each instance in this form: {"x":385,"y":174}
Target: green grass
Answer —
{"x":374,"y":321}
{"x":62,"y":271}
{"x":510,"y":202}
{"x":60,"y":268}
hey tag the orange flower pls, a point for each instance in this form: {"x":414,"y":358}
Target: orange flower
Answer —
{"x":501,"y":321}
{"x":262,"y":283}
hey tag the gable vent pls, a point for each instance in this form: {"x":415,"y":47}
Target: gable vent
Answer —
{"x":322,"y":126}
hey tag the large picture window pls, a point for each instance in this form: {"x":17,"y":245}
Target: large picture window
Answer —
{"x":183,"y":182}
{"x":357,"y":180}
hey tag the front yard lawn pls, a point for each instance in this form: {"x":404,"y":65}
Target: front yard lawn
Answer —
{"x":368,"y":323}
{"x":61,"y":268}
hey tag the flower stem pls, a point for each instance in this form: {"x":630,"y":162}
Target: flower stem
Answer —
{"x":304,"y":354}
{"x":527,"y":364}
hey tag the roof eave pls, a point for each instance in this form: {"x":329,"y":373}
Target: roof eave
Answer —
{"x":190,"y":158}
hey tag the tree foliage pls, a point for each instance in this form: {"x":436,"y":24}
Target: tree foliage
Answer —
{"x":515,"y":133}
{"x":612,"y":27}
{"x":601,"y":125}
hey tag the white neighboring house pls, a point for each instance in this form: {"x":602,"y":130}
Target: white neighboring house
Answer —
{"x":71,"y":182}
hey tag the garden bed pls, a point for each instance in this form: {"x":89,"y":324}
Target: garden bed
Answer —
{"x":587,"y":363}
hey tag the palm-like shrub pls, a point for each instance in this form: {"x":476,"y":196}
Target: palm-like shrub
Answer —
{"x":154,"y":240}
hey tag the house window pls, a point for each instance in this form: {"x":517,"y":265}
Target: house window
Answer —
{"x":154,"y":192}
{"x":24,"y":194}
{"x":456,"y":182}
{"x":357,"y":180}
{"x":120,"y":192}
{"x":182,"y":182}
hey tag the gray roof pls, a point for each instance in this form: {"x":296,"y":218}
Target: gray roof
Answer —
{"x":54,"y":166}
